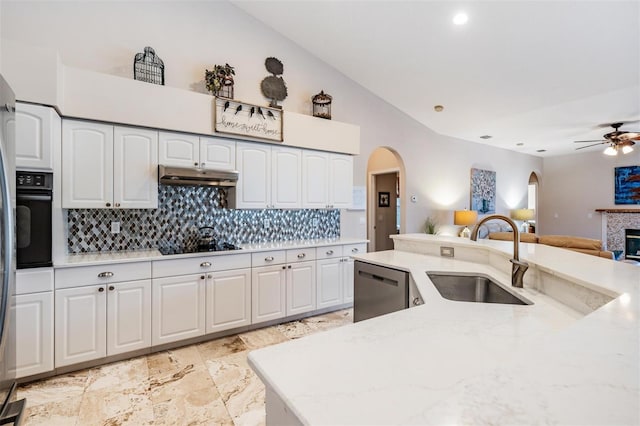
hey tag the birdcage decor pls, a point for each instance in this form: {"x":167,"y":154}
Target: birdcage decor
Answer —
{"x":322,"y":105}
{"x":148,"y":67}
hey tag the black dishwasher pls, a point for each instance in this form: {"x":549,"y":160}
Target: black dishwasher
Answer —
{"x":378,"y":290}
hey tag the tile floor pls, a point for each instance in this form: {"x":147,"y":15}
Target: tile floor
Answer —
{"x":208,"y":383}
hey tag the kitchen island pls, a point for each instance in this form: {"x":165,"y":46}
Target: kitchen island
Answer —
{"x":573,"y":357}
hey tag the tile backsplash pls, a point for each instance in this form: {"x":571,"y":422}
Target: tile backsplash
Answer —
{"x":181,"y":211}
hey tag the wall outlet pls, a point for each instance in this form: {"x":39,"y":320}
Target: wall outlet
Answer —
{"x":115,"y":227}
{"x":266,"y":224}
{"x":446,"y":251}
{"x":314,"y":221}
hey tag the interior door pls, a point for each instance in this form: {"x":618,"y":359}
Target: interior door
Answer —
{"x":385,"y":210}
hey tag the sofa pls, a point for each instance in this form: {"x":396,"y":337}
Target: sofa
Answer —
{"x":580,"y":244}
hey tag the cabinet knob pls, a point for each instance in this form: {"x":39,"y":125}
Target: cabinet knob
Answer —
{"x":105,"y":274}
{"x":417,"y":301}
{"x":268,"y":259}
{"x":354,"y":250}
{"x":117,"y":204}
{"x":330,"y":252}
{"x":100,"y":289}
{"x":209,"y":276}
{"x":108,"y":204}
{"x":302,"y":255}
{"x":111,"y":288}
{"x":289,"y":266}
{"x":205,"y":264}
{"x":195,"y":164}
{"x":202,"y":277}
{"x":201,"y":164}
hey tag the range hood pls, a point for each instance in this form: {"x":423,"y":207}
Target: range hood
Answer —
{"x":199,"y":177}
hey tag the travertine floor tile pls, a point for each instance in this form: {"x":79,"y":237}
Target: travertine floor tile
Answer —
{"x":221,"y":347}
{"x":164,"y":387}
{"x":128,"y":374}
{"x":262,"y":337}
{"x":127,"y":406}
{"x":55,"y":389}
{"x":295,"y":329}
{"x":173,"y":360}
{"x":61,"y":413}
{"x":199,"y":406}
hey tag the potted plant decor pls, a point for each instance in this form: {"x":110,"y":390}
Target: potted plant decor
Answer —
{"x":219,"y":81}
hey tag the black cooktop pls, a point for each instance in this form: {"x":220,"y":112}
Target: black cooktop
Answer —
{"x":223,"y":246}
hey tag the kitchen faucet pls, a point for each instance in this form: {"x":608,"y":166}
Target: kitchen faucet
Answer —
{"x":518,"y":267}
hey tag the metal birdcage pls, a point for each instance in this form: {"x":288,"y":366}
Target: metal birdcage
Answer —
{"x":322,"y":105}
{"x":148,"y":67}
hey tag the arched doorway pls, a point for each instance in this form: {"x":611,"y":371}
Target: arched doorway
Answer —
{"x":532,"y":199}
{"x":386,"y":202}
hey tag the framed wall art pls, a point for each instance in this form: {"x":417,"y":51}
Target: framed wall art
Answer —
{"x":384,"y":199}
{"x":243,"y":119}
{"x":627,"y":185}
{"x":483,"y":191}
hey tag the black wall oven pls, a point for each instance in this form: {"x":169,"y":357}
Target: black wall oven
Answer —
{"x":33,"y":219}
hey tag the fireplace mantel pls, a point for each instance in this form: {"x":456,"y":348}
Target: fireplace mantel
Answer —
{"x":618,"y":210}
{"x":614,"y":222}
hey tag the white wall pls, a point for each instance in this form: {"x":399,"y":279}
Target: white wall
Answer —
{"x":189,"y":37}
{"x":574,"y":186}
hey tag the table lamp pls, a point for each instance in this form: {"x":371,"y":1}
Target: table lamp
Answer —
{"x":525,"y":215}
{"x":465,"y":218}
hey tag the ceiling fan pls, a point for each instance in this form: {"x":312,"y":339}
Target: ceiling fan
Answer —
{"x":618,"y":140}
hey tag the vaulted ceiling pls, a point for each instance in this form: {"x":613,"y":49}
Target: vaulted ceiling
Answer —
{"x":537,"y":73}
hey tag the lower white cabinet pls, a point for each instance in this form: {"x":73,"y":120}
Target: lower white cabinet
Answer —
{"x":178,"y":308}
{"x":95,"y":321}
{"x":33,"y":316}
{"x":228,"y":300}
{"x":268,"y":293}
{"x":329,"y":283}
{"x":301,"y":287}
{"x":347,"y":279}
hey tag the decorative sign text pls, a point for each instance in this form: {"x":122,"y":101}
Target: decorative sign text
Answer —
{"x":244,"y":119}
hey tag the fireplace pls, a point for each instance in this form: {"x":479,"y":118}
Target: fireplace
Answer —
{"x":632,"y":244}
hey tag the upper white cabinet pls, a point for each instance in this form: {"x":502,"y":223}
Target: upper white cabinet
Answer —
{"x":35,"y":128}
{"x":184,"y":150}
{"x":327,"y":180}
{"x":270,"y":177}
{"x":108,"y":167}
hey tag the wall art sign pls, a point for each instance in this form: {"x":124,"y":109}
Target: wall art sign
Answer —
{"x":483,"y":191}
{"x":240,"y":118}
{"x":384,"y":199}
{"x":627,"y":185}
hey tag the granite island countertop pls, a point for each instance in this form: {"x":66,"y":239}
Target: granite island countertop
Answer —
{"x":449,"y":362}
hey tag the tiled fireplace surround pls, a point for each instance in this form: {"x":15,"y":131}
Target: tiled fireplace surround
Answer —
{"x":181,"y":211}
{"x":614,"y":222}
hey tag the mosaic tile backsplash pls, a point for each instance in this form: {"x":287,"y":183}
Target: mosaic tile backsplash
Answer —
{"x":181,"y":211}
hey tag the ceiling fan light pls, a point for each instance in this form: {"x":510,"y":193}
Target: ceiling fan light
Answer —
{"x":627,"y":149}
{"x":610,"y":150}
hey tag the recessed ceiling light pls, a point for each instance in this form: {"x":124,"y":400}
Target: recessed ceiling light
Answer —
{"x":519,"y":144}
{"x":541,"y":150}
{"x":438,"y":108}
{"x":460,"y":18}
{"x":486,"y":137}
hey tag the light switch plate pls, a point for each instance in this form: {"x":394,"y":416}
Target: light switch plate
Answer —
{"x":115,"y":227}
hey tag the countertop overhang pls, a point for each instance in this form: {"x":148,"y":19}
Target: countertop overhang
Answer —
{"x":451,"y":362}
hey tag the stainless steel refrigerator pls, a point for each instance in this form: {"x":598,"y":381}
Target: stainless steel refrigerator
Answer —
{"x":11,"y":410}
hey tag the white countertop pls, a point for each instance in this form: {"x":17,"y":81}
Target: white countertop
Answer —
{"x":99,"y":258}
{"x":449,"y":362}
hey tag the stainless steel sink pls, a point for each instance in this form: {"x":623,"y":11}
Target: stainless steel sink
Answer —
{"x":463,"y":287}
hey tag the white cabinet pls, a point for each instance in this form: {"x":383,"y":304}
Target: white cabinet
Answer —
{"x":228,"y":300}
{"x":185,"y":150}
{"x":327,"y":180}
{"x":108,"y":167}
{"x":270,"y":177}
{"x":101,"y":310}
{"x":178,"y":308}
{"x":35,"y":128}
{"x":329,"y":283}
{"x":268,"y":293}
{"x":301,"y":287}
{"x":347,"y":279}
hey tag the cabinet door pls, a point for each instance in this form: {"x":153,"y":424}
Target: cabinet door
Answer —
{"x":178,"y":305}
{"x":286,"y":178}
{"x":178,"y":149}
{"x":228,"y":300}
{"x":340,"y":181}
{"x":34,"y":132}
{"x":301,"y":287}
{"x":217,"y":154}
{"x":80,"y":324}
{"x":128,"y":316}
{"x":32,"y":315}
{"x":329,"y":283}
{"x":253,"y":190}
{"x":87,"y":165}
{"x":315,"y":180}
{"x":347,"y":280}
{"x":135,"y":168}
{"x":268,"y":293}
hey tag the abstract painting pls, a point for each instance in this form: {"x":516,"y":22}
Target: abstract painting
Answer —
{"x":483,"y":191}
{"x":627,"y":185}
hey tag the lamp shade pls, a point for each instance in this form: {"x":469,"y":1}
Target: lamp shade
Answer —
{"x":465,"y":217}
{"x":522,"y":214}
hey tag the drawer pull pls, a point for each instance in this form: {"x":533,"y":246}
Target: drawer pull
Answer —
{"x":105,"y":274}
{"x":330,"y":252}
{"x":302,"y":256}
{"x":205,"y":264}
{"x":354,"y":250}
{"x":268,"y":259}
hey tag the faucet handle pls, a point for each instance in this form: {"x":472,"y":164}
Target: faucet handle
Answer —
{"x":517,"y":272}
